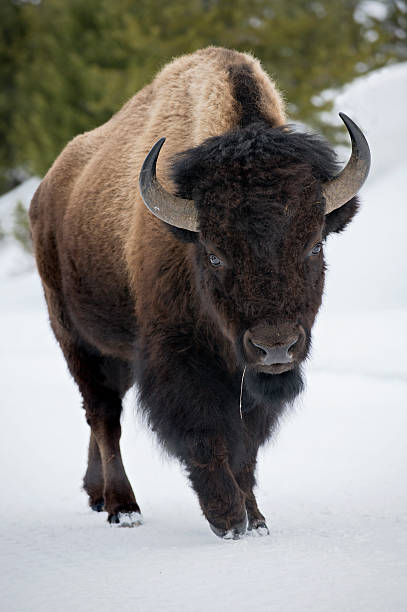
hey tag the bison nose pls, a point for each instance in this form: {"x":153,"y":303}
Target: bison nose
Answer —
{"x":265,"y":354}
{"x":275,"y":354}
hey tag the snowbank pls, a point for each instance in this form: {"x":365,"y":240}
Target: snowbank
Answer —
{"x":368,"y":263}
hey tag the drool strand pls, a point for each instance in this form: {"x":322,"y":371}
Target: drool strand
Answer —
{"x":241,"y":393}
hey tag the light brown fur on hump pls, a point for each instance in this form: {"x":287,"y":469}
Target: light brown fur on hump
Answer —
{"x":89,"y":202}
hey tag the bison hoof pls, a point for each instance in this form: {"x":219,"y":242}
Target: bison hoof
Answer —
{"x":125,"y":519}
{"x":98,"y":506}
{"x":258,"y":528}
{"x":234,"y":533}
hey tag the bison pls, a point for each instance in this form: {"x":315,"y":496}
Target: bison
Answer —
{"x":194,"y":272}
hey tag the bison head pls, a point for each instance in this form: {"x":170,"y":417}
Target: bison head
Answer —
{"x":257,"y":203}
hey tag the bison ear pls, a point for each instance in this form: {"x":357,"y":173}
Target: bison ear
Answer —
{"x":338,"y":219}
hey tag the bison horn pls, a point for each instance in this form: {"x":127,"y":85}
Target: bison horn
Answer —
{"x":167,"y":207}
{"x":343,"y":187}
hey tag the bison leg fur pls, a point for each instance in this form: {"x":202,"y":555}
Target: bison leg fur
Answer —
{"x":103,"y":381}
{"x":246,"y":481}
{"x":221,"y":499}
{"x":93,"y":482}
{"x":103,"y":416}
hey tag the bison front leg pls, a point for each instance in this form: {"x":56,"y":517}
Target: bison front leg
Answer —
{"x":220,"y":497}
{"x":246,"y":480}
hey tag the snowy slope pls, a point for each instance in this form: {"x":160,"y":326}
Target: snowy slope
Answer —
{"x":332,"y":485}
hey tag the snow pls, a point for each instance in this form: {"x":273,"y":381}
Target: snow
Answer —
{"x":332,"y":484}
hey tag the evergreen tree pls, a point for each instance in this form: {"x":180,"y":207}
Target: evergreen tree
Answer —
{"x":12,"y":35}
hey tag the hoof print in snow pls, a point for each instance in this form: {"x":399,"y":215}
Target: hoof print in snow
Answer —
{"x":258,"y":529}
{"x":125,"y":519}
{"x":234,"y":533}
{"x":98,"y":506}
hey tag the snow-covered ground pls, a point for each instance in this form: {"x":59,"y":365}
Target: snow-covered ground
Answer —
{"x":333,"y":483}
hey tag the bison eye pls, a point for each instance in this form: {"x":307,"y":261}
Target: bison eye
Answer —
{"x":316,"y":248}
{"x":215,"y":261}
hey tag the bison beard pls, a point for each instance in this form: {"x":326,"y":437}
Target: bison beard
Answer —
{"x":184,"y":312}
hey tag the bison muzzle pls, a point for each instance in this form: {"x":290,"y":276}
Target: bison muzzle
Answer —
{"x":194,"y":269}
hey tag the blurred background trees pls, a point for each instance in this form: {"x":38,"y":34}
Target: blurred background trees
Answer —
{"x":67,"y":65}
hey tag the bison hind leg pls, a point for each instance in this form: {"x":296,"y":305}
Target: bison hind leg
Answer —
{"x":98,"y":506}
{"x":103,"y":382}
{"x":105,"y":480}
{"x":93,"y":482}
{"x":126,"y":519}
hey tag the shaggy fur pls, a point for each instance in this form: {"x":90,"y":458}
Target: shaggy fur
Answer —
{"x":134,"y":300}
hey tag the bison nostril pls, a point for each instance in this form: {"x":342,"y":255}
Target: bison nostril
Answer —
{"x":293,"y":343}
{"x":260,"y":347}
